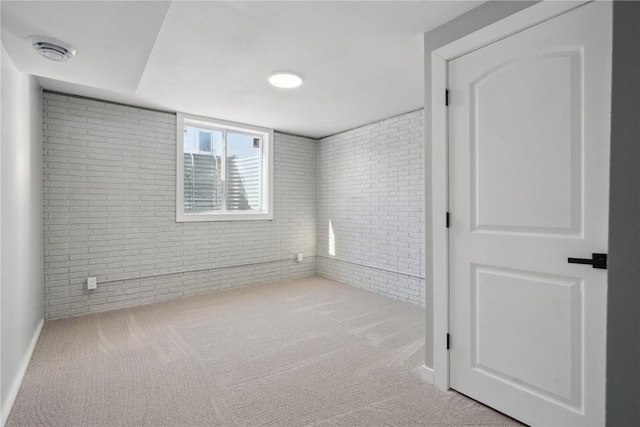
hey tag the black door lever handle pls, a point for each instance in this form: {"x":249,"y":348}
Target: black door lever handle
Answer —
{"x":597,"y":261}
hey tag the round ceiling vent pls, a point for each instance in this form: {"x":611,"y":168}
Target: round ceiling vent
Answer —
{"x":52,"y":49}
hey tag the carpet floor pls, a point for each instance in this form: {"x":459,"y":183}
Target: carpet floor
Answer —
{"x":309,"y":352}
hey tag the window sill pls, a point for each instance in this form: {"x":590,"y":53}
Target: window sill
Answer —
{"x":215,"y":217}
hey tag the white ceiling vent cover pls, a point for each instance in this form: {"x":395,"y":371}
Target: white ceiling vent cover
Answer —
{"x":52,"y":49}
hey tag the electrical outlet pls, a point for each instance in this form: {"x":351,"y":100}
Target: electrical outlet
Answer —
{"x":299,"y":257}
{"x":92,"y":283}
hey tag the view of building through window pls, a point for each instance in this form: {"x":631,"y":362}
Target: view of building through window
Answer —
{"x":222,"y":170}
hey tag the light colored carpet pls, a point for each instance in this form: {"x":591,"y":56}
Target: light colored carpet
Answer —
{"x":304,"y":352}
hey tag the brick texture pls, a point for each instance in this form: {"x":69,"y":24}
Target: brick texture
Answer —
{"x":371,"y":207}
{"x":109,"y":211}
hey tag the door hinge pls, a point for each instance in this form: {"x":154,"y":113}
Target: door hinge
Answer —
{"x":447,"y":219}
{"x":446,"y":97}
{"x":448,"y":341}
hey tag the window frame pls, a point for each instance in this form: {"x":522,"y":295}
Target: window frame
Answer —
{"x":266,"y":177}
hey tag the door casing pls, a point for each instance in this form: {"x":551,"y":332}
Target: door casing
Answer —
{"x":515,"y":23}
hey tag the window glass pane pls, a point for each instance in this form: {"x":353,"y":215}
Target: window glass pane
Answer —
{"x":243,"y":172}
{"x":203,"y":186}
{"x":190,"y":137}
{"x":205,"y":141}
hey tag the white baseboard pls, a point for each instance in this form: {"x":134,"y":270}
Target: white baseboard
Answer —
{"x":426,"y":373}
{"x":13,"y":390}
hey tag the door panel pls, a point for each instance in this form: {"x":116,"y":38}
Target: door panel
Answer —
{"x":552,"y":342}
{"x":547,"y":133}
{"x":528,"y":188}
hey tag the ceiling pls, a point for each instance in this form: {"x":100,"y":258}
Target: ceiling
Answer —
{"x":361,"y":61}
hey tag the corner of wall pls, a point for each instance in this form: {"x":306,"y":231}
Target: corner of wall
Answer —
{"x":21,"y":273}
{"x":12,"y":393}
{"x":370,"y":197}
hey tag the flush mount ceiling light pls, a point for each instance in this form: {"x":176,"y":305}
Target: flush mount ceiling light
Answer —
{"x":285,"y":80}
{"x":52,"y":49}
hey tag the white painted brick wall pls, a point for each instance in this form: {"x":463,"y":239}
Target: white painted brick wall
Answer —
{"x":109,"y":211}
{"x":371,"y":191}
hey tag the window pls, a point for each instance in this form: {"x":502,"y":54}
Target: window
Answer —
{"x":224,"y":171}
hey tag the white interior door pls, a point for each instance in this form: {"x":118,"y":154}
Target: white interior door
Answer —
{"x":528,"y":189}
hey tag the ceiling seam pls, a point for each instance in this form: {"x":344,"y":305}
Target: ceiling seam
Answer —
{"x":370,"y":123}
{"x":122,"y":104}
{"x":157,"y":110}
{"x":155,"y":43}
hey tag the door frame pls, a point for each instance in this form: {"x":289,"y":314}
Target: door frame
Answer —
{"x":529,"y":17}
